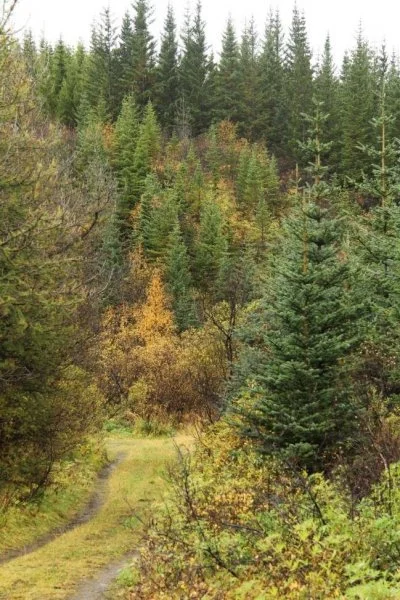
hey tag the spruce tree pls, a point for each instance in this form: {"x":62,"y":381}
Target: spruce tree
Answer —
{"x":358,"y":108}
{"x":327,"y":92}
{"x":143,"y":54}
{"x":101,"y":89}
{"x":60,"y":60}
{"x":167,"y":80}
{"x":249,"y":79}
{"x":228,"y":93}
{"x":194,"y":73}
{"x":376,"y":235}
{"x":123,"y":59}
{"x":72,"y":88}
{"x":211,"y":246}
{"x":298,"y":83}
{"x":126,"y":140}
{"x":298,"y":390}
{"x":179,"y":280}
{"x":272,"y":119}
{"x":147,"y":148}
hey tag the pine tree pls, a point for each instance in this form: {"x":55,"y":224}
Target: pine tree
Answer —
{"x":124,"y":60}
{"x":249,"y":80}
{"x":300,"y":390}
{"x":228,"y":79}
{"x":179,"y":280}
{"x":272,"y":119}
{"x":167,"y":80}
{"x":72,"y":88}
{"x":147,"y":147}
{"x":327,"y":92}
{"x":58,"y":70}
{"x":299,"y":395}
{"x":101,"y":88}
{"x":358,"y":108}
{"x":194,"y":73}
{"x":211,"y":246}
{"x":124,"y":156}
{"x":299,"y":83}
{"x":143,"y":54}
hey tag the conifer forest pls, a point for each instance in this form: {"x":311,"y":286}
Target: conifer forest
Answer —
{"x":207,"y":247}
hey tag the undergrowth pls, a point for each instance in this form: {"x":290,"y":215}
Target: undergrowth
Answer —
{"x":238,"y":526}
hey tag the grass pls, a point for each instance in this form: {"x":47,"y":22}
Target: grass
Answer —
{"x":55,"y":571}
{"x":72,"y":486}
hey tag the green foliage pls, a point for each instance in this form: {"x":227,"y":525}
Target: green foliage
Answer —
{"x":179,"y":280}
{"x":194,"y":73}
{"x":167,"y":75}
{"x":231,"y":518}
{"x":228,"y":92}
{"x":300,"y":392}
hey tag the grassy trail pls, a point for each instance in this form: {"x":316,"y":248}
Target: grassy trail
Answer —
{"x":56,"y":571}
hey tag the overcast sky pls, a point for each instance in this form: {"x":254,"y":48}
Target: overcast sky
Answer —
{"x":71,"y":19}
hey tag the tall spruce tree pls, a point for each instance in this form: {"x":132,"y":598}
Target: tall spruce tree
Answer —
{"x":358,"y":107}
{"x":327,"y":92}
{"x":229,"y":92}
{"x":194,"y":73}
{"x":123,"y":59}
{"x":71,"y":91}
{"x":298,"y":83}
{"x":167,"y":75}
{"x":101,"y":86}
{"x":298,"y":392}
{"x":272,"y":120}
{"x":126,"y":140}
{"x":143,"y":54}
{"x":249,"y":79}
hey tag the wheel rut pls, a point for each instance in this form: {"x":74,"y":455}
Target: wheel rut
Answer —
{"x":91,"y":509}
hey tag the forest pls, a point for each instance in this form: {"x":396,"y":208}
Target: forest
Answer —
{"x":209,"y":242}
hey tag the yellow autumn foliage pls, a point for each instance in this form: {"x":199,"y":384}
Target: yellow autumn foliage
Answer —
{"x":146,"y":368}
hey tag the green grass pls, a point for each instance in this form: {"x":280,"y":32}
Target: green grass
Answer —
{"x":55,"y":571}
{"x":24,"y":523}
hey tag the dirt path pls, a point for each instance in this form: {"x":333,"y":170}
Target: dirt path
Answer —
{"x":94,"y":589}
{"x":91,"y":509}
{"x":81,"y":563}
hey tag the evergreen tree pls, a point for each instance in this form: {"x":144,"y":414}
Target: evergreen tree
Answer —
{"x":377,"y":235}
{"x":143,"y":54}
{"x":211,"y":246}
{"x":146,"y":150}
{"x":249,"y":79}
{"x":300,"y":392}
{"x":71,"y":90}
{"x":101,"y":88}
{"x":124,"y":60}
{"x":179,"y":281}
{"x":167,"y":80}
{"x":393,"y":97}
{"x":58,"y":71}
{"x":298,"y":83}
{"x":358,"y":108}
{"x":272,"y":120}
{"x":229,"y":93}
{"x":126,"y":140}
{"x":194,"y":73}
{"x":327,"y":92}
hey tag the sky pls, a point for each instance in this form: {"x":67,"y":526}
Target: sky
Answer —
{"x":71,"y":19}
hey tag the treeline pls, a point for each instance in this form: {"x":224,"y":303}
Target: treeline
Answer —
{"x":263,"y":82}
